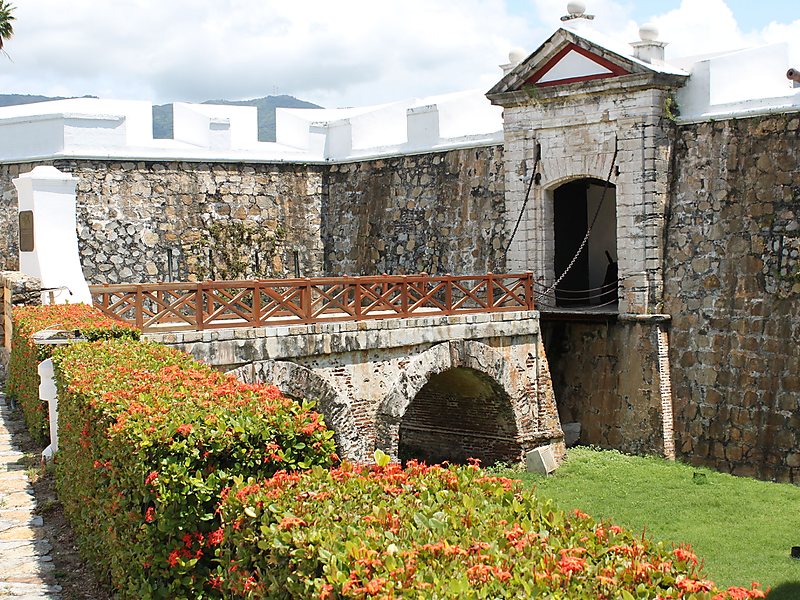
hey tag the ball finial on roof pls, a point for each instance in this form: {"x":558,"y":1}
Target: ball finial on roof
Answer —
{"x":517,"y":55}
{"x":576,"y":8}
{"x":648,"y":32}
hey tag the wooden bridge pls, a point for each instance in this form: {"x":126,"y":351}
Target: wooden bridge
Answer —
{"x":264,"y":302}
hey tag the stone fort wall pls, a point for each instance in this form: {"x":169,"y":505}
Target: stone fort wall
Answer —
{"x":163,"y":221}
{"x":732,"y":273}
{"x":427,"y":213}
{"x":605,"y":376}
{"x":160,"y":221}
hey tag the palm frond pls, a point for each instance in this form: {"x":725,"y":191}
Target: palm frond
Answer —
{"x":6,"y":17}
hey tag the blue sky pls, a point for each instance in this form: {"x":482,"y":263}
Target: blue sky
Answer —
{"x":345,"y":53}
{"x":750,"y":14}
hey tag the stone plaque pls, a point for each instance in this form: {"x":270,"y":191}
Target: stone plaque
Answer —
{"x":26,"y":231}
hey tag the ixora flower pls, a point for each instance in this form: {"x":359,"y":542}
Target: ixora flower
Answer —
{"x":571,"y":564}
{"x":452,"y":532}
{"x":170,"y":426}
{"x":23,"y":378}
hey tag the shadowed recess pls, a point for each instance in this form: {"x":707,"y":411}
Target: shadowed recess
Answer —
{"x":459,"y":414}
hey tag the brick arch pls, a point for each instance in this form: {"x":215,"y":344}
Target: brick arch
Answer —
{"x":442,"y":357}
{"x":298,"y":381}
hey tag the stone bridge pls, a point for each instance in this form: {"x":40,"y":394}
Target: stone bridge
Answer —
{"x":435,"y":388}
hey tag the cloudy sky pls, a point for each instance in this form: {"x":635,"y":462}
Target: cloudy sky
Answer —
{"x":335,"y":53}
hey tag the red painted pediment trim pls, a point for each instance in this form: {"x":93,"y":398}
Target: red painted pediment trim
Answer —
{"x":615,"y":69}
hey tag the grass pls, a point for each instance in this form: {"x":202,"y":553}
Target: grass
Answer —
{"x":743,"y":528}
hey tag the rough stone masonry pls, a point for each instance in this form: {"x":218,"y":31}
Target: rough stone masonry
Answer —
{"x":732,"y":273}
{"x":367,"y":377}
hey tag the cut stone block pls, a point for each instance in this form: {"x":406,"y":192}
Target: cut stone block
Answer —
{"x":541,"y":460}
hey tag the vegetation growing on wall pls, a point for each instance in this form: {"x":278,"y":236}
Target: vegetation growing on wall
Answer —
{"x":238,"y":250}
{"x":671,"y":109}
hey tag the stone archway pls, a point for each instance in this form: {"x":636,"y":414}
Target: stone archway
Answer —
{"x":457,"y":415}
{"x":480,"y":370}
{"x":297,"y":381}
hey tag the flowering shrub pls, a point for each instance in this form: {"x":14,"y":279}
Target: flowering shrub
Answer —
{"x":148,"y":440}
{"x":23,"y":377}
{"x":434,"y":532}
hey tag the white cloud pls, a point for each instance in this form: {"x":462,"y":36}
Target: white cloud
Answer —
{"x":700,"y":27}
{"x":339,"y":52}
{"x":694,"y":27}
{"x":334,"y":53}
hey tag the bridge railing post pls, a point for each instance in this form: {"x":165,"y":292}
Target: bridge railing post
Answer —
{"x":529,"y":290}
{"x":256,"y":315}
{"x":305,"y":300}
{"x":448,"y":294}
{"x":357,"y":296}
{"x":404,"y":296}
{"x":198,"y":306}
{"x":489,"y":291}
{"x":139,"y":308}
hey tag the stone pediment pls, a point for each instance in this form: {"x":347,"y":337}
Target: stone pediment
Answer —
{"x":568,"y":60}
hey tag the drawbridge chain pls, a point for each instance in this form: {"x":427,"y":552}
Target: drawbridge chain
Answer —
{"x":594,"y":219}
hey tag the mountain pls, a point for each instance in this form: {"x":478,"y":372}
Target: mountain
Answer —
{"x":13,"y":99}
{"x":162,"y":113}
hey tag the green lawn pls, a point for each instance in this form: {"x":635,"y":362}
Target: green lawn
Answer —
{"x":743,"y":528}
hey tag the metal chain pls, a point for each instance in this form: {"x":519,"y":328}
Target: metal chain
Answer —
{"x":524,"y":203}
{"x":594,"y":220}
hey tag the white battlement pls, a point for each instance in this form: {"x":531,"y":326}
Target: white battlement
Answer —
{"x":724,"y":85}
{"x":99,"y":129}
{"x":734,"y":84}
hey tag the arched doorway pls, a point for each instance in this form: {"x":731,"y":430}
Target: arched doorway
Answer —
{"x":592,"y":278}
{"x":458,"y":414}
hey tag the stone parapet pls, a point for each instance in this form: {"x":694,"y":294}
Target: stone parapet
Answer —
{"x":227,"y":348}
{"x":18,"y":289}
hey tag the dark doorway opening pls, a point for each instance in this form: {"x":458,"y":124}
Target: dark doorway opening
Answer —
{"x":459,"y":414}
{"x":592,"y":278}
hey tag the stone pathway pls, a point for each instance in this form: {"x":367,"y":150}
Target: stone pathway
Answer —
{"x":26,"y":567}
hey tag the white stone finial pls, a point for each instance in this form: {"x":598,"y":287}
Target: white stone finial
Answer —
{"x":516,"y":56}
{"x":648,"y":32}
{"x":576,"y":8}
{"x":648,"y":48}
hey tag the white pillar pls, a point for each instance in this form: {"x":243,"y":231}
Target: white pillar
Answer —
{"x":47,"y":206}
{"x":47,"y":393}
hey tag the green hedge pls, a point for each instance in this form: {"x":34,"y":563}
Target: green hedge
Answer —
{"x":23,"y":378}
{"x":433,"y":532}
{"x":149,"y":438}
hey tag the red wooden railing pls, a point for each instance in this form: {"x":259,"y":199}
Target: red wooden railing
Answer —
{"x":217,"y":304}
